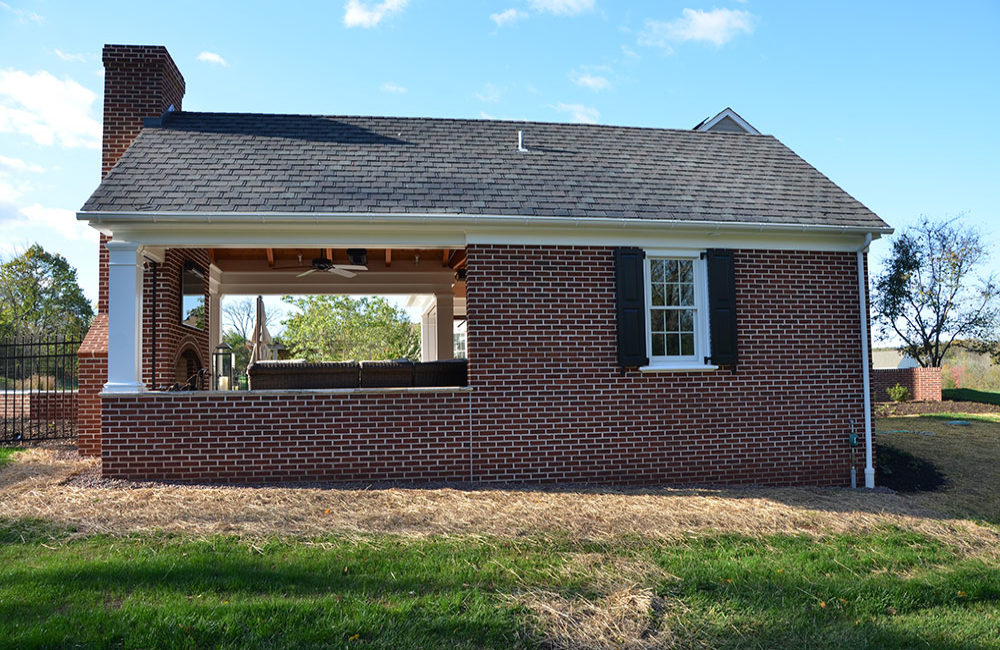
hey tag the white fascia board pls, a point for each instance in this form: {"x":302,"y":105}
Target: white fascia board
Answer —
{"x":298,"y":230}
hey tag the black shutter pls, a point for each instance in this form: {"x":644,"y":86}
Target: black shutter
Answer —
{"x":721,"y":306}
{"x":631,"y":304}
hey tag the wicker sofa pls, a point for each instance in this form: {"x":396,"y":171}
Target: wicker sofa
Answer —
{"x":278,"y":375}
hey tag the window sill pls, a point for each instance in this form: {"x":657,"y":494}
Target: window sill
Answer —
{"x":686,"y":366}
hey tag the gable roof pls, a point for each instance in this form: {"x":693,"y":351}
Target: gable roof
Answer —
{"x":250,"y":163}
{"x":727,"y":120}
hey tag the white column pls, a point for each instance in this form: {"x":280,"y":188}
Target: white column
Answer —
{"x":214,"y":309}
{"x":445,"y":307}
{"x":124,"y":318}
{"x":428,"y":334}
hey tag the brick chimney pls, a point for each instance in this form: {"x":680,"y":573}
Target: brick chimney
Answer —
{"x":140,"y":81}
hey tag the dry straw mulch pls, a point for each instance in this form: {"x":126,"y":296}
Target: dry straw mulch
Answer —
{"x":56,"y":485}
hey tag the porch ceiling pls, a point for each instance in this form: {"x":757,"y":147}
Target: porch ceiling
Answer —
{"x":274,"y":271}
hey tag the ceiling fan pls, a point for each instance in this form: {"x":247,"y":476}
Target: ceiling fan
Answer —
{"x":358,"y":258}
{"x":323,"y":264}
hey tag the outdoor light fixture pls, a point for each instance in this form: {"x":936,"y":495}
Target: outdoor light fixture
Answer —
{"x":358,"y":256}
{"x":223,"y":362}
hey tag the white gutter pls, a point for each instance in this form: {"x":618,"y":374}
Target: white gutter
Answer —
{"x":345,"y":218}
{"x":863,"y":308}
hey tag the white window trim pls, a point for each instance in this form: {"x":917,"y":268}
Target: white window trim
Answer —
{"x":695,"y":362}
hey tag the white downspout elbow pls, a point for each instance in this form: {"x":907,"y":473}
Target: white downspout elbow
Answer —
{"x":863,"y":309}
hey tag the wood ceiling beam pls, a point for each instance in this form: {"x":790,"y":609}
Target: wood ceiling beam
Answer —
{"x":388,"y":257}
{"x":445,"y":257}
{"x":328,"y":253}
{"x":270,"y":257}
{"x":457,"y":259}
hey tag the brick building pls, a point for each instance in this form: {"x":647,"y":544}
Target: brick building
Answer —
{"x":639,"y":305}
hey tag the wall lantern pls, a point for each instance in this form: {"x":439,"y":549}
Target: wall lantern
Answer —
{"x":223,"y":362}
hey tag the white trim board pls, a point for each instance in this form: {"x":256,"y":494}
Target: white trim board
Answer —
{"x":198,"y":230}
{"x":731,"y":114}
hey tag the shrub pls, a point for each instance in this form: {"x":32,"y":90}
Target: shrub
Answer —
{"x":898,"y":393}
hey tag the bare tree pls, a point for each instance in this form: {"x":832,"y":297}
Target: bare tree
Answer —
{"x":935,"y":290}
{"x":241,"y":315}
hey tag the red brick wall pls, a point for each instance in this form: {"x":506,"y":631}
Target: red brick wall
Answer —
{"x":140,"y":81}
{"x":548,"y":401}
{"x":262,"y":437}
{"x":551,"y":402}
{"x":42,"y":405}
{"x":171,"y":336}
{"x":924,"y":384}
{"x":93,"y":374}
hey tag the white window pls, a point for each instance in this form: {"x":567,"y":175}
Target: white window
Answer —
{"x":676,"y":310}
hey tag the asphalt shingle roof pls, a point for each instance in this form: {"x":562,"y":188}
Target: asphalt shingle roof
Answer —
{"x":225,"y":162}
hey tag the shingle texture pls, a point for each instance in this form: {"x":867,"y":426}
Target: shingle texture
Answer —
{"x":223,"y":162}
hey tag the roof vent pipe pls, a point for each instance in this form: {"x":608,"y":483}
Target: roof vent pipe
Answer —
{"x":520,"y":141}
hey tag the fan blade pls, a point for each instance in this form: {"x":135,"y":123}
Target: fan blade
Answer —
{"x":341,"y":271}
{"x":351,"y":267}
{"x":304,"y":274}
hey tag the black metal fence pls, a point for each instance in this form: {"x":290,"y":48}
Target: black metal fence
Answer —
{"x":38,"y":389}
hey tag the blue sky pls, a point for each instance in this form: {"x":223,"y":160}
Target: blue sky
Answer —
{"x":894,"y":101}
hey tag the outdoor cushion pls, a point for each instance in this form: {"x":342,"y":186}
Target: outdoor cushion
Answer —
{"x":446,"y":372}
{"x":265,"y":375}
{"x":387,"y":374}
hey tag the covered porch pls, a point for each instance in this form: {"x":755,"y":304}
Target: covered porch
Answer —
{"x":165,"y":312}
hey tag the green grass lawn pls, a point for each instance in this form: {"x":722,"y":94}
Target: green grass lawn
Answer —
{"x":890,"y":589}
{"x":969,"y":395}
{"x":6,"y":453}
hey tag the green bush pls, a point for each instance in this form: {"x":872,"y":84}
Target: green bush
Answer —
{"x":898,"y":393}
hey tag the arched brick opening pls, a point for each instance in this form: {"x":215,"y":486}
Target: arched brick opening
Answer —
{"x":187,"y":363}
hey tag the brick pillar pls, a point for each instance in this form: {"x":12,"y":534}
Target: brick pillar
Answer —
{"x":93,"y":372}
{"x":140,"y":81}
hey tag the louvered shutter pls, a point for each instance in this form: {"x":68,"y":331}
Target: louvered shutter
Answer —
{"x":721,"y":306}
{"x":631,"y":306}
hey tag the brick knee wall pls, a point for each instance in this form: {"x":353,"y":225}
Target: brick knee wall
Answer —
{"x":548,"y":402}
{"x":924,"y":384}
{"x":264,"y":437}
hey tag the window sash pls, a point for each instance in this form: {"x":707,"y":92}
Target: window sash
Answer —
{"x":698,"y":330}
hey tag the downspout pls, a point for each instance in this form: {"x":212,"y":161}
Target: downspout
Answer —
{"x":863,"y":309}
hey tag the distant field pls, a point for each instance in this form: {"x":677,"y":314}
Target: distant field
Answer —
{"x":969,"y":395}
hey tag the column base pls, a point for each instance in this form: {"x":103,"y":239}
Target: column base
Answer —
{"x":114,"y":388}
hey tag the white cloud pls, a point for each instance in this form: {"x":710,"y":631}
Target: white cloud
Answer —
{"x":48,"y":109}
{"x":70,"y":58}
{"x":389,"y":87}
{"x":55,"y":220}
{"x":579,"y":113}
{"x":212,"y":57}
{"x":486,"y":116}
{"x":508,"y":16}
{"x":630,"y":53}
{"x":718,"y":26}
{"x":357,"y":14}
{"x":23,"y":15}
{"x":587,"y":79}
{"x":490,"y":94}
{"x":18,"y":165}
{"x":562,"y":7}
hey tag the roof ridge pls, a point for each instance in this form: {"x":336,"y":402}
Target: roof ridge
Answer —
{"x":173,"y":115}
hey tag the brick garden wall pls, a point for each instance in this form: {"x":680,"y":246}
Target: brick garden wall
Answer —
{"x":924,"y":384}
{"x":548,"y":401}
{"x":38,"y":405}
